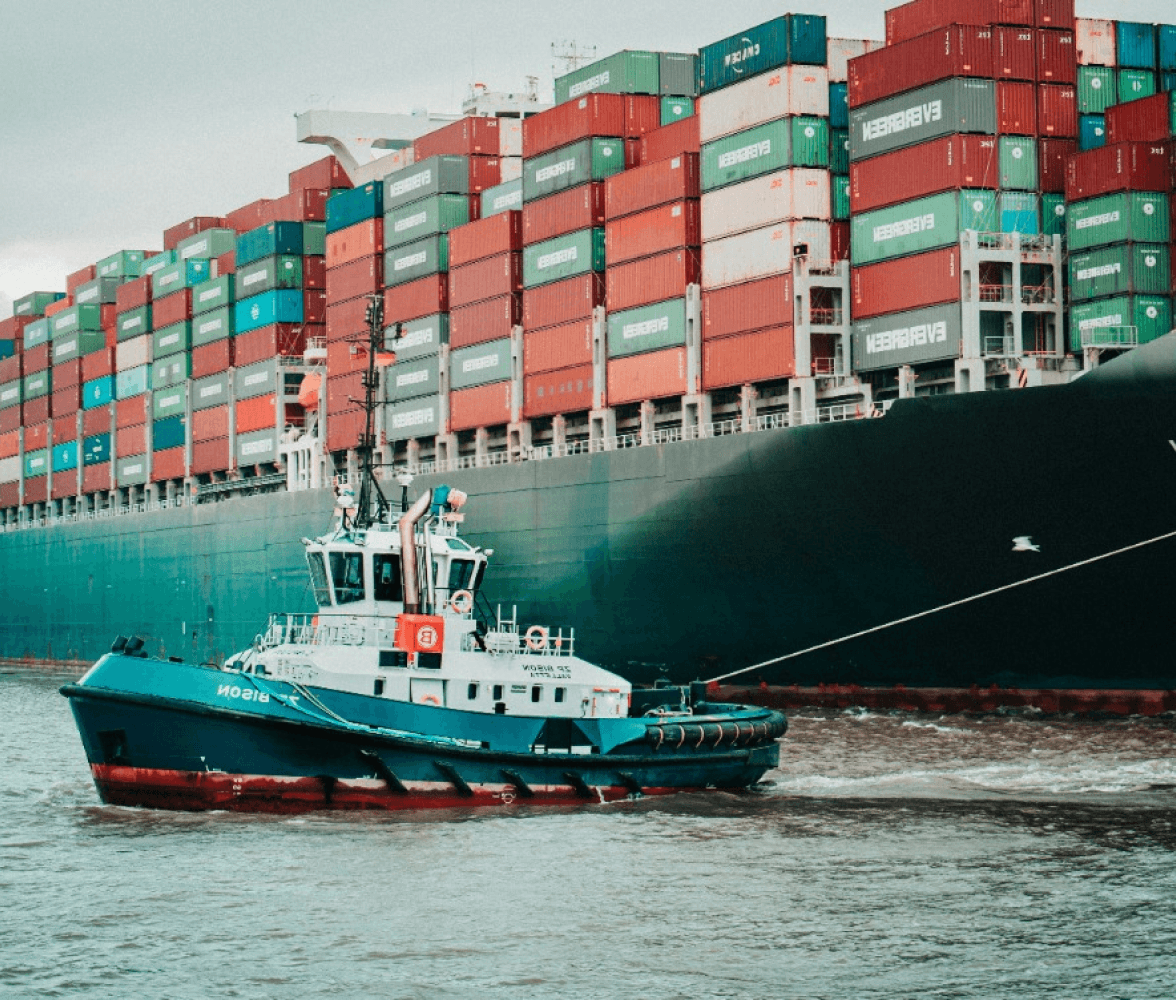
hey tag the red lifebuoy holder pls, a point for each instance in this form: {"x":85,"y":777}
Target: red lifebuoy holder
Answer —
{"x":420,"y":633}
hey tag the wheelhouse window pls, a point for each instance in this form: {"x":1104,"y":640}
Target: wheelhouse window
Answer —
{"x":347,"y":572}
{"x":386,"y":574}
{"x":536,"y":692}
{"x":460,"y":573}
{"x":560,"y":693}
{"x":318,"y":579}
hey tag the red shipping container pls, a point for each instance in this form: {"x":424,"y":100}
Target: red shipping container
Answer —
{"x":36,"y":359}
{"x":314,"y":272}
{"x":98,"y":420}
{"x":1146,"y":120}
{"x":653,"y":279}
{"x":920,"y":16}
{"x":65,"y":400}
{"x":211,"y":423}
{"x":65,"y":483}
{"x":37,"y":411}
{"x":212,"y":455}
{"x":285,"y":339}
{"x":741,"y":308}
{"x":762,"y":356}
{"x":1016,"y":108}
{"x":568,"y":390}
{"x":490,"y":319}
{"x":1052,"y":155}
{"x":10,"y":443}
{"x":12,"y":328}
{"x":642,"y":115}
{"x":174,"y":308}
{"x":97,"y":364}
{"x":563,"y":301}
{"x":11,"y":418}
{"x":557,"y":347}
{"x":1014,"y":54}
{"x":415,"y":299}
{"x":314,"y":303}
{"x":617,"y":115}
{"x":96,"y":478}
{"x":65,"y":428}
{"x":657,"y":183}
{"x":346,"y":319}
{"x":345,"y":358}
{"x":9,"y":495}
{"x":168,"y":464}
{"x":190,"y":227}
{"x":364,"y":239}
{"x":226,"y":263}
{"x":947,"y":164}
{"x":344,"y":392}
{"x":325,"y":173}
{"x":657,"y":230}
{"x":36,"y":490}
{"x":132,"y":411}
{"x":350,"y":281}
{"x":67,"y":374}
{"x":670,"y":140}
{"x":1125,"y":166}
{"x":1054,"y":13}
{"x":958,"y":50}
{"x":839,"y":240}
{"x":1057,"y":111}
{"x":577,"y":208}
{"x":1057,"y":58}
{"x":132,"y":294}
{"x":647,"y":376}
{"x":257,"y":413}
{"x":248,"y":217}
{"x":53,"y":308}
{"x":344,"y":429}
{"x":208,"y":359}
{"x":130,"y":440}
{"x":633,"y":154}
{"x":481,"y":406}
{"x":36,"y":435}
{"x":489,"y":237}
{"x":80,"y":277}
{"x":464,"y":137}
{"x":308,"y":205}
{"x":926,"y":279}
{"x":12,"y":368}
{"x":483,"y":279}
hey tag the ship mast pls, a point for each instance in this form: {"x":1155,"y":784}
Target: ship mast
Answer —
{"x":374,"y":317}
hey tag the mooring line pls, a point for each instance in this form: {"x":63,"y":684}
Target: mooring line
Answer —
{"x":942,"y":607}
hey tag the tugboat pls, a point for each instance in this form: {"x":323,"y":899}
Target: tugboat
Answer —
{"x":405,"y":691}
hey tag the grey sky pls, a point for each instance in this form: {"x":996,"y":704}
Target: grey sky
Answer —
{"x":120,"y":119}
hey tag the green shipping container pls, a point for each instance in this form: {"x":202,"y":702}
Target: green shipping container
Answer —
{"x":563,"y":257}
{"x":1131,"y":217}
{"x":38,"y":384}
{"x":676,"y":108}
{"x":1136,"y":84}
{"x":134,"y":323}
{"x":978,"y":211}
{"x":839,"y":150}
{"x":436,"y":175}
{"x":810,"y":141}
{"x":132,"y":471}
{"x":840,"y":189}
{"x":76,"y":345}
{"x":760,"y":150}
{"x":416,"y":260}
{"x":36,"y":463}
{"x":571,"y":166}
{"x":124,"y":264}
{"x":502,"y":198}
{"x":75,"y":318}
{"x":36,"y":333}
{"x":1018,"y":163}
{"x":182,"y":274}
{"x":11,"y":393}
{"x":1098,"y":89}
{"x":209,"y":295}
{"x":34,"y":303}
{"x":284,"y":271}
{"x":171,"y":340}
{"x":1053,"y":215}
{"x":172,"y":370}
{"x":210,"y":327}
{"x":169,"y":402}
{"x":100,"y":291}
{"x":1125,"y":269}
{"x":648,"y":328}
{"x":911,"y":227}
{"x":314,"y":239}
{"x":427,"y":217}
{"x":132,"y":382}
{"x":1120,"y":321}
{"x":625,"y":72}
{"x":157,"y":263}
{"x":480,"y":364}
{"x":418,"y":338}
{"x":207,"y":244}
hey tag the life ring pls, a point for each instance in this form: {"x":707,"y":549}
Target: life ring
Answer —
{"x":536,"y":638}
{"x":430,"y":699}
{"x":461,"y":601}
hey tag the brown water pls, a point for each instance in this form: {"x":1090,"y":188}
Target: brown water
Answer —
{"x":891,"y":856}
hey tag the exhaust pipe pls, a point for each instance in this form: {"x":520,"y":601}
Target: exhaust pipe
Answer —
{"x":408,"y":553}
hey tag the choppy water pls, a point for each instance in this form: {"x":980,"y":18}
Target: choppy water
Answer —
{"x":893,"y":856}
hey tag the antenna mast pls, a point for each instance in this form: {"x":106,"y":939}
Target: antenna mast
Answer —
{"x":572,"y":55}
{"x":367,"y":444}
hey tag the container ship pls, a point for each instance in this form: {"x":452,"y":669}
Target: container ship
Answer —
{"x":815,"y":334}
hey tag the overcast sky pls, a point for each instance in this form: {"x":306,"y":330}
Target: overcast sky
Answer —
{"x":121,"y":119}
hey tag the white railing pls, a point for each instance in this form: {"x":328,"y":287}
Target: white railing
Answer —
{"x":49,"y":520}
{"x":1110,"y":336}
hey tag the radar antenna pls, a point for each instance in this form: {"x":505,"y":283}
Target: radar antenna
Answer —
{"x":374,"y":317}
{"x":572,"y":55}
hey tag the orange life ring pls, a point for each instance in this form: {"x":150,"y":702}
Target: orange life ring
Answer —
{"x":536,"y":638}
{"x":430,"y":699}
{"x":461,"y":601}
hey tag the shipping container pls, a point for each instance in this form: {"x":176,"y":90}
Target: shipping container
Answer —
{"x":182,"y":274}
{"x":1016,"y":108}
{"x":98,"y":392}
{"x":133,"y":353}
{"x":1019,"y":212}
{"x":908,"y":228}
{"x":211,"y":455}
{"x":327,"y":172}
{"x":1146,"y":120}
{"x":1052,"y":156}
{"x":949,"y":163}
{"x":208,"y":359}
{"x":485,"y":279}
{"x":655,"y":184}
{"x":1094,"y":42}
{"x":34,"y":303}
{"x":758,"y":151}
{"x":257,"y":413}
{"x":428,"y":217}
{"x":1091,"y":132}
{"x":274,"y":239}
{"x":209,"y":424}
{"x":793,"y":38}
{"x":955,"y":51}
{"x":1126,"y":319}
{"x":266,"y":275}
{"x":170,"y":432}
{"x":1135,"y":45}
{"x":627,"y":72}
{"x":413,"y":379}
{"x":657,"y":230}
{"x":570,"y":166}
{"x":792,"y":90}
{"x":173,"y":308}
{"x":100,"y":291}
{"x":1057,"y":111}
{"x":504,"y":197}
{"x":905,"y":283}
{"x":674,"y":109}
{"x":169,"y":464}
{"x":211,"y":391}
{"x":776,"y":197}
{"x":99,"y":419}
{"x":1018,"y":163}
{"x":841,"y":50}
{"x":344,"y":429}
{"x":499,"y":234}
{"x":762,"y":252}
{"x":273,"y":340}
{"x":407,"y":263}
{"x":75,"y":318}
{"x":480,"y":406}
{"x":71,"y":348}
{"x":362,"y":240}
{"x":416,"y":299}
{"x":65,"y":429}
{"x":132,"y":294}
{"x":930,"y":333}
{"x":639,"y":377}
{"x":347,"y":319}
{"x":96,"y":449}
{"x":921,"y":16}
{"x":11,"y":393}
{"x":558,"y":347}
{"x":563,"y":257}
{"x":349,"y":281}
{"x":1056,"y":59}
{"x":132,"y":470}
{"x":419,"y":338}
{"x":471,"y":136}
{"x":490,"y":319}
{"x":207,"y":328}
{"x":580,"y":207}
{"x":564,"y":390}
{"x":1014,"y":53}
{"x":480,"y":364}
{"x":154,"y":264}
{"x":1098,"y":89}
{"x":1125,"y":166}
{"x":257,"y":379}
{"x":940,"y":109}
{"x":36,"y":334}
{"x":347,"y":207}
{"x":171,"y":340}
{"x":648,"y":328}
{"x":169,"y":402}
{"x":36,"y":463}
{"x":743,"y":308}
{"x":670,"y":140}
{"x":1053,"y":215}
{"x":761,"y":356}
{"x":36,"y":359}
{"x":132,"y":412}
{"x":573,"y":299}
{"x":37,"y":384}
{"x":213,"y":294}
{"x":593,"y":115}
{"x":97,"y":478}
{"x":207,"y":244}
{"x":1125,"y":269}
{"x":171,"y":370}
{"x":1136,"y":84}
{"x":651,"y":279}
{"x":468,"y":175}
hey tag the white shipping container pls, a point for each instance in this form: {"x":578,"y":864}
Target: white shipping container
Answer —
{"x":789,"y":90}
{"x":800,"y":193}
{"x":762,"y":252}
{"x":510,"y":137}
{"x":511,"y":168}
{"x":10,"y":469}
{"x":1094,"y":42}
{"x":132,"y":353}
{"x":842,"y":50}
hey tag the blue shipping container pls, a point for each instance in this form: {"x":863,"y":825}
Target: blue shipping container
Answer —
{"x":1091,"y":131}
{"x":346,"y":208}
{"x":269,"y":241}
{"x":65,"y":456}
{"x":741,"y":56}
{"x":839,"y":105}
{"x":1168,"y":80}
{"x":7,"y":349}
{"x":96,"y":449}
{"x":807,"y":39}
{"x":1166,"y":46}
{"x":98,"y":392}
{"x":1019,"y":212}
{"x":1135,"y":45}
{"x":132,"y":382}
{"x":168,"y":433}
{"x":283,"y":305}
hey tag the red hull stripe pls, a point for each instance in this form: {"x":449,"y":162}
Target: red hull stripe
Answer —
{"x":156,"y":788}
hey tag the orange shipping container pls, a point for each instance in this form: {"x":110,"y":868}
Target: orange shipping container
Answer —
{"x":256,"y":413}
{"x":97,"y":364}
{"x":36,"y":359}
{"x":168,"y":464}
{"x":926,"y":279}
{"x":65,"y":483}
{"x":742,"y":308}
{"x":96,"y":477}
{"x":80,"y":277}
{"x":657,"y":183}
{"x":212,"y":455}
{"x":132,"y":294}
{"x":53,"y":308}
{"x":652,"y":279}
{"x":344,"y":429}
{"x":36,"y":490}
{"x":209,"y":424}
{"x":580,"y":207}
{"x":208,"y":359}
{"x":501,"y":233}
{"x":36,"y":411}
{"x":9,"y":444}
{"x":484,"y":279}
{"x":131,"y":440}
{"x":174,"y":308}
{"x":287,"y":339}
{"x":345,"y":357}
{"x":415,"y":299}
{"x":563,"y":301}
{"x":748,"y":357}
{"x":364,"y":239}
{"x":344,"y":393}
{"x":130,"y":412}
{"x":97,"y":420}
{"x":11,"y":418}
{"x":568,"y":390}
{"x":671,"y":140}
{"x":491,"y":319}
{"x":481,"y":406}
{"x":65,"y":428}
{"x":10,"y":495}
{"x":346,"y":319}
{"x":557,"y":347}
{"x":666,"y":227}
{"x":647,"y":376}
